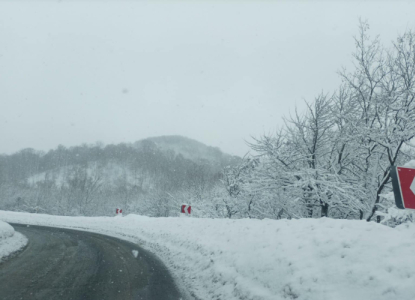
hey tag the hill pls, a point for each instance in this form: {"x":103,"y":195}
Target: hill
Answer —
{"x":190,"y":149}
{"x":145,"y":176}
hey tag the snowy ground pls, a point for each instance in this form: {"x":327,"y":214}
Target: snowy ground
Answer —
{"x":10,"y":241}
{"x":318,"y":259}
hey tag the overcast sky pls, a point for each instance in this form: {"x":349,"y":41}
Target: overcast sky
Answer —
{"x":80,"y":72}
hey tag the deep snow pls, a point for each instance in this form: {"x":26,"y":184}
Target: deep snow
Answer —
{"x":313,"y":259}
{"x":10,"y":241}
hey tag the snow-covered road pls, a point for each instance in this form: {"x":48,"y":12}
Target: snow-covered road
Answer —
{"x":313,"y":259}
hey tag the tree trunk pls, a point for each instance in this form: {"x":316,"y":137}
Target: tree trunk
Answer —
{"x":380,"y":189}
{"x":310,"y":211}
{"x":324,"y":210}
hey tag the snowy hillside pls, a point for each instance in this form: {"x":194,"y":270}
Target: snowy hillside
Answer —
{"x":93,"y":179}
{"x":10,"y":241}
{"x":111,"y":174}
{"x":190,"y":149}
{"x":313,"y":259}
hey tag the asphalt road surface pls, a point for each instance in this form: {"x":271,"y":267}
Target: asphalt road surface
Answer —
{"x":67,"y":264}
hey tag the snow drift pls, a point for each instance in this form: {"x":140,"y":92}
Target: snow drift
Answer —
{"x":10,"y":240}
{"x":313,"y":259}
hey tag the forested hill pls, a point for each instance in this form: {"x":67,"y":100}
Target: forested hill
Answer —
{"x":93,"y":179}
{"x":190,"y":149}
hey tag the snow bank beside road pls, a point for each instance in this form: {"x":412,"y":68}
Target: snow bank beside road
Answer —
{"x":6,"y":231}
{"x":309,"y":259}
{"x":10,"y":240}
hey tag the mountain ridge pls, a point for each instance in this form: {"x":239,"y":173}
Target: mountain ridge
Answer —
{"x":190,"y":148}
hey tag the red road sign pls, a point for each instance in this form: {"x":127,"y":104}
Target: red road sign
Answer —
{"x":403,"y":182}
{"x":186,"y":209}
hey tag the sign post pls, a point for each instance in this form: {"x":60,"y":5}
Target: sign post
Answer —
{"x":403,"y":182}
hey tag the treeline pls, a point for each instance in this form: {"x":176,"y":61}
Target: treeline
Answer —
{"x":148,"y":156}
{"x":94,"y":180}
{"x":335,"y":159}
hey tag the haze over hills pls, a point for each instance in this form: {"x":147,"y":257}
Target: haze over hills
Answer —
{"x":93,"y":179}
{"x":190,"y":149}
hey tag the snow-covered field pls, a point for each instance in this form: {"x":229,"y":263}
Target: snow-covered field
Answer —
{"x":10,"y":240}
{"x":313,"y":259}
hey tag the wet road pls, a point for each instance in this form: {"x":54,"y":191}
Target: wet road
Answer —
{"x":67,"y":264}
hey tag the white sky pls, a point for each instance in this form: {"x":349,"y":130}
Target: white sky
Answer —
{"x":119,"y":71}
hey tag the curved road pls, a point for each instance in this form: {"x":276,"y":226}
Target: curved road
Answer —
{"x":67,"y":264}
